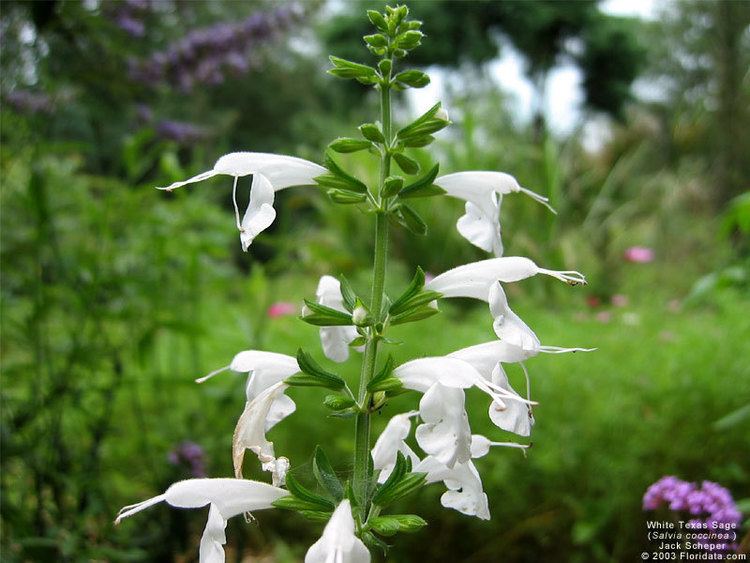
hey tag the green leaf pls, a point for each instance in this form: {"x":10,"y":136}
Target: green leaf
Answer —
{"x":376,"y":40}
{"x":392,"y":186}
{"x":394,"y":523}
{"x":349,"y":69}
{"x":406,"y":163}
{"x":347,"y":292}
{"x":383,"y":374}
{"x":357,"y":342}
{"x":320,"y":315}
{"x":292,"y":503}
{"x":418,"y":122}
{"x":410,"y":219}
{"x":306,"y":495}
{"x":313,"y":375}
{"x":374,"y":542}
{"x":399,"y":470}
{"x":418,"y":142}
{"x":338,"y":402}
{"x":414,"y":315}
{"x":372,"y":132}
{"x":415,"y":301}
{"x":316,"y":515}
{"x":423,"y":186}
{"x":326,"y":476}
{"x":347,"y":145}
{"x":386,"y":385}
{"x":346,"y":198}
{"x":377,"y":20}
{"x":410,"y":40}
{"x":336,"y":170}
{"x":413,"y":78}
{"x":410,"y":483}
{"x":415,"y":286}
{"x":385,"y":66}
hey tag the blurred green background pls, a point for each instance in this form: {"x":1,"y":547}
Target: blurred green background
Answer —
{"x":116,"y":296}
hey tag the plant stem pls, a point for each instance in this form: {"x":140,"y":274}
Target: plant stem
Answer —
{"x":369,"y":362}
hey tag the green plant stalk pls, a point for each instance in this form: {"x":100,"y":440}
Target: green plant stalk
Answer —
{"x":362,"y":424}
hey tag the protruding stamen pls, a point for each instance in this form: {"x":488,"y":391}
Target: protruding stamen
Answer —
{"x":540,"y":198}
{"x":570,"y":277}
{"x":516,"y":445}
{"x":559,"y":350}
{"x":131,"y":509}
{"x":210,"y":375}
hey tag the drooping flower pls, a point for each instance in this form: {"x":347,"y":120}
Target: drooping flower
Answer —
{"x":639,"y":254}
{"x":465,"y":493}
{"x":508,"y":326}
{"x":390,"y":442}
{"x":512,"y":416}
{"x":271,"y":173}
{"x":483,"y":193}
{"x":250,"y":434}
{"x":475,"y":279}
{"x":334,"y":339}
{"x":226,"y":497}
{"x":339,"y":544}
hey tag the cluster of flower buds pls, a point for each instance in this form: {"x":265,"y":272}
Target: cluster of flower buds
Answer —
{"x":354,"y":509}
{"x":205,"y":55}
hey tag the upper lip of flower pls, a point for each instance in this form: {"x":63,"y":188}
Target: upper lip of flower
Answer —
{"x":338,"y":542}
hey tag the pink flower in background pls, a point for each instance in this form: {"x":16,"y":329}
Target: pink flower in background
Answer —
{"x":619,"y":300}
{"x":281,"y":309}
{"x":593,"y":301}
{"x":639,"y":254}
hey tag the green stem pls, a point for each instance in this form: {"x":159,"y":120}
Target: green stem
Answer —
{"x":369,"y":362}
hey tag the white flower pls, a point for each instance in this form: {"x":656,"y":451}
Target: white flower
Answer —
{"x":390,"y":442}
{"x":465,"y":492}
{"x":508,"y":326}
{"x":338,"y":544}
{"x":482,"y":192}
{"x":334,"y":339}
{"x":445,"y":434}
{"x":480,"y":446}
{"x":512,"y":416}
{"x":475,"y":279}
{"x":484,"y":357}
{"x":250,"y":434}
{"x":226,"y":497}
{"x":271,"y":173}
{"x":263,"y":369}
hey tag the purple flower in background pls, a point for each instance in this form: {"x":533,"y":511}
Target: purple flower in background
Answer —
{"x":189,"y":455}
{"x":709,"y":505}
{"x":27,"y":101}
{"x":206,"y":54}
{"x":180,"y":131}
{"x":127,"y":16}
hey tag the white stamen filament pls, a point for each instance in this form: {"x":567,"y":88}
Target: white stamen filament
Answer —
{"x":570,"y":277}
{"x":540,"y":198}
{"x":559,"y":350}
{"x":131,"y":509}
{"x":234,"y":202}
{"x":210,"y":375}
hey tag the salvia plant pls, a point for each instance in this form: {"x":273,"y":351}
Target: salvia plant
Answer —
{"x":355,"y":506}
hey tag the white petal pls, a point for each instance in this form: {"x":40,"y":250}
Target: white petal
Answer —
{"x":469,"y":185}
{"x":445,"y":433}
{"x":390,"y":440}
{"x":230,"y":496}
{"x":480,"y":446}
{"x":484,"y":357}
{"x":282,"y":407}
{"x":508,"y":326}
{"x":423,"y":373}
{"x":250,"y":433}
{"x":481,"y":229}
{"x":259,"y":213}
{"x":281,"y":170}
{"x":334,"y":339}
{"x":338,"y":544}
{"x":214,"y":538}
{"x":466,"y":493}
{"x":512,"y":416}
{"x":264,"y":369}
{"x":197,"y":178}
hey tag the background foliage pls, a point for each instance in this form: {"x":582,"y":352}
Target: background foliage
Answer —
{"x":115,"y":296}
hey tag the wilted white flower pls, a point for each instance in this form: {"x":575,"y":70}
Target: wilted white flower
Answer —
{"x":483,"y":193}
{"x":226,"y":497}
{"x":271,"y":173}
{"x":338,"y":544}
{"x":334,"y":339}
{"x":475,"y":279}
{"x":250,"y":434}
{"x":390,"y":442}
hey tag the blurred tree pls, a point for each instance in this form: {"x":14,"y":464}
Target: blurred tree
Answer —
{"x":545,"y":32}
{"x":701,"y":60}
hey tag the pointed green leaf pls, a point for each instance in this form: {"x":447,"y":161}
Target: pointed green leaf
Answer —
{"x":326,"y":476}
{"x":406,"y":163}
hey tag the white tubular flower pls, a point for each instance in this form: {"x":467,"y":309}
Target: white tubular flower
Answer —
{"x":338,"y":544}
{"x":483,"y":192}
{"x":512,"y":416}
{"x":475,"y":279}
{"x":465,"y":493}
{"x":230,"y":497}
{"x":334,"y":339}
{"x":250,"y":434}
{"x":264,"y":369}
{"x":508,"y":326}
{"x":271,"y":173}
{"x":445,"y":434}
{"x":390,"y":442}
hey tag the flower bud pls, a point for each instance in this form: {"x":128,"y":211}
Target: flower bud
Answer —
{"x":442,"y":114}
{"x":359,"y":315}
